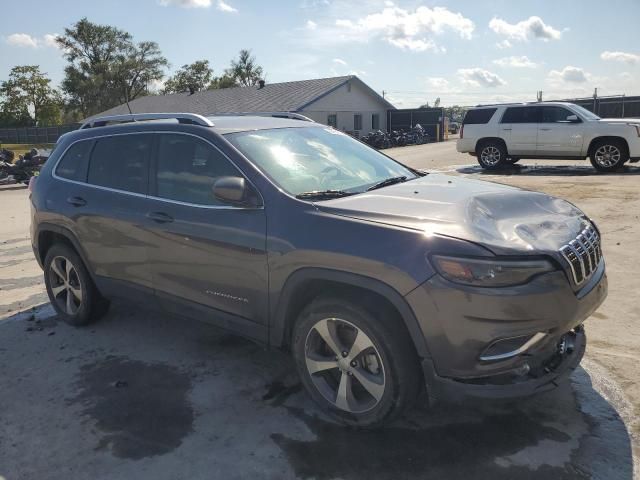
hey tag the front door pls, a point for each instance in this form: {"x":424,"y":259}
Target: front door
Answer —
{"x":558,"y":135}
{"x":204,"y":253}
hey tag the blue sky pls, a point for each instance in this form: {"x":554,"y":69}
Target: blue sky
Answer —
{"x":463,"y":51}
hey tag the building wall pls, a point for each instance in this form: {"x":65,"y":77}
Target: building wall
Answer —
{"x":345,"y":102}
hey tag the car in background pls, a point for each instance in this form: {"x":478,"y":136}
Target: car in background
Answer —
{"x":454,"y":127}
{"x":499,"y":135}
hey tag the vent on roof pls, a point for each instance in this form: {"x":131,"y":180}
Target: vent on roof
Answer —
{"x":261,"y":84}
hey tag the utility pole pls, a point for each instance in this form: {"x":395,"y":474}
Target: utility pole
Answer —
{"x":383,"y":93}
{"x":595,"y":100}
{"x":539,"y":95}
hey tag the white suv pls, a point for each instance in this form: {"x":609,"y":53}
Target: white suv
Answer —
{"x":503,"y":134}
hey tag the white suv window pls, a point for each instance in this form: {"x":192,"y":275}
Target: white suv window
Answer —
{"x":553,"y":114}
{"x":520,"y":115}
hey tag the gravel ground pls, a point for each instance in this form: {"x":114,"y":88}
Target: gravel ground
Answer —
{"x":144,"y":396}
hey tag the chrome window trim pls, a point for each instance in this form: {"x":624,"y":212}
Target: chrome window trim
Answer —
{"x":153,"y":197}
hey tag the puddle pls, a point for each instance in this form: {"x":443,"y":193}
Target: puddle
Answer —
{"x":141,"y":409}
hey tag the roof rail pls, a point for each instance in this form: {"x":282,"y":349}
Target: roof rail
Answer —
{"x":190,"y":118}
{"x":291,"y":115}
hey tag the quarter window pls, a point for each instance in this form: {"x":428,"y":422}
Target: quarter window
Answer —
{"x":357,"y":122}
{"x":121,"y":162}
{"x":478,"y":116}
{"x":520,"y":115}
{"x":187,"y":169}
{"x":73,"y":165}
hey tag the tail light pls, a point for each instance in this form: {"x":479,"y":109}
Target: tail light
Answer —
{"x":32,"y":183}
{"x":462,"y":131}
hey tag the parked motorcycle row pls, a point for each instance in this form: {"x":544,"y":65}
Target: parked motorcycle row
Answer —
{"x":397,"y":138}
{"x":20,"y":171}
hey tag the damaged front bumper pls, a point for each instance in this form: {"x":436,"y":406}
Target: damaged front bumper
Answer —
{"x":537,"y":374}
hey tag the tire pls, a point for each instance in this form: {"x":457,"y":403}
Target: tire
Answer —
{"x":70,"y":288}
{"x":492,"y":155}
{"x":386,"y":363}
{"x":609,"y":155}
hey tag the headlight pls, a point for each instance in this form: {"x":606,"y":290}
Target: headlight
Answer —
{"x":489,"y":273}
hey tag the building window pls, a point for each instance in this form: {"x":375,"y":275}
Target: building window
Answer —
{"x":332,"y":121}
{"x":357,"y":122}
{"x":375,"y":121}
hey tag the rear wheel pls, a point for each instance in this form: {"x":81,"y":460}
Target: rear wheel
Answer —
{"x":492,"y":155}
{"x":609,"y":155}
{"x":70,"y":288}
{"x":360,"y":368}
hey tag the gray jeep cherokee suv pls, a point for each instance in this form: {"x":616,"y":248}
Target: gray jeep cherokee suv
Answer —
{"x":382,"y":280}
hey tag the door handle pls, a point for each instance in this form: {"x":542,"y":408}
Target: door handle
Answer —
{"x":545,"y":129}
{"x":76,"y":201}
{"x":160,"y":217}
{"x":506,"y":129}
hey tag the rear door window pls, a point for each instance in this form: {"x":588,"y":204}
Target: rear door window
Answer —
{"x":479,"y":116}
{"x":74,"y":163}
{"x":121,"y":162}
{"x":187,"y":169}
{"x":521,"y":115}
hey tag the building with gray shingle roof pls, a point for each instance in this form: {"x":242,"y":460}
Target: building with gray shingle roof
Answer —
{"x":345,"y":102}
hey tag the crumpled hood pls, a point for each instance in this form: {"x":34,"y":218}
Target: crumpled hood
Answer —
{"x":502,"y":218}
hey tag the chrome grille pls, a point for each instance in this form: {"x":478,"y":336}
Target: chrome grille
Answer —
{"x":583,"y":254}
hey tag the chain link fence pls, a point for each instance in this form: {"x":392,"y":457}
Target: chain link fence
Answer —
{"x":35,"y":135}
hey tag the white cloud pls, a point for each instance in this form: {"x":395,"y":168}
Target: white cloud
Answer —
{"x":620,"y":57}
{"x":29,"y":41}
{"x":339,"y":61}
{"x":311,"y":25}
{"x":187,"y":3}
{"x":568,"y":74}
{"x":504,"y":44}
{"x":479,"y":77}
{"x":531,"y":28}
{"x":516,"y":62}
{"x":22,"y":40}
{"x":438,"y":83}
{"x":225,"y":7}
{"x":409,"y":29}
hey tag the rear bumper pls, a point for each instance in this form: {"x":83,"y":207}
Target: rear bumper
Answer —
{"x":465,"y":145}
{"x":551,"y":371}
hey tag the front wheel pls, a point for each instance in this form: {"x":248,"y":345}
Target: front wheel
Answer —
{"x":360,"y":369}
{"x":492,"y":155}
{"x":609,"y":155}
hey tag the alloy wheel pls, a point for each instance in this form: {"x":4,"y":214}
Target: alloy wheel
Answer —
{"x":344,"y":365}
{"x":608,"y":156}
{"x":490,"y":155}
{"x":66,"y":288}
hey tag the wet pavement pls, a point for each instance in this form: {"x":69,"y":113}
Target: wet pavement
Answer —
{"x":138,"y":395}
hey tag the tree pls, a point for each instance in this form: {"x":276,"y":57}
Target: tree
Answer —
{"x":194,"y":77}
{"x":224,"y":81}
{"x":106,"y":68}
{"x":28,"y":98}
{"x":245,"y":71}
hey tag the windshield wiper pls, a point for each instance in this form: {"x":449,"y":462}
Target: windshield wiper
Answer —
{"x":387,"y":182}
{"x":323,"y":194}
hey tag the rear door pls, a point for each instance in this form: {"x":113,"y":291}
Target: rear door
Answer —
{"x":205,"y":252}
{"x":557,"y":135}
{"x":106,"y":203}
{"x":519,"y":128}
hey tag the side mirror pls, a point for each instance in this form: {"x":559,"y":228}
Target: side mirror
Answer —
{"x":573,"y":119}
{"x":235,"y":191}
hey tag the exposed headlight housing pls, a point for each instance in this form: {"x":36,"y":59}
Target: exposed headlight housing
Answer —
{"x":489,"y":272}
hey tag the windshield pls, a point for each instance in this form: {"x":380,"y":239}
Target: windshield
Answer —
{"x":314,"y":159}
{"x":586,"y":113}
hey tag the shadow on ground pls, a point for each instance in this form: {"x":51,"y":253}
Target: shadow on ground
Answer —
{"x":148,"y":396}
{"x":549,"y":170}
